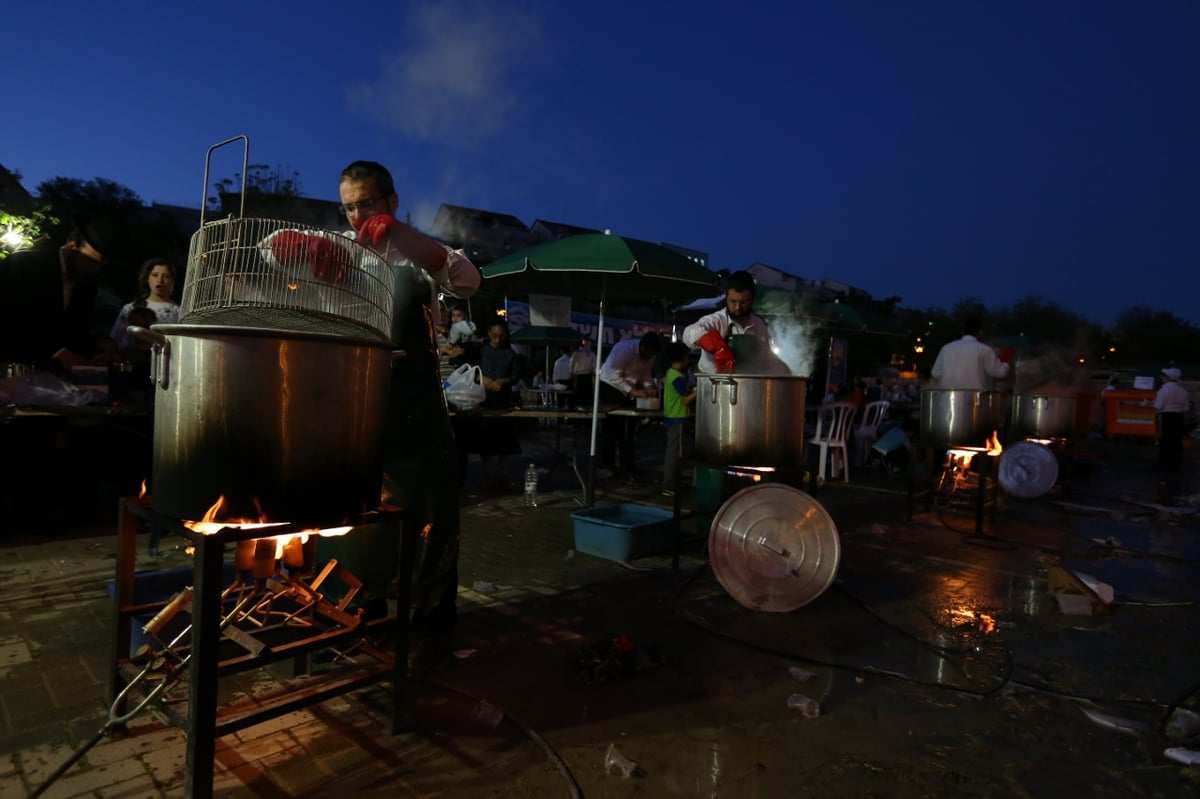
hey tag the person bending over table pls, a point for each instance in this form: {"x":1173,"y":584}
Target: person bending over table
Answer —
{"x":625,"y":376}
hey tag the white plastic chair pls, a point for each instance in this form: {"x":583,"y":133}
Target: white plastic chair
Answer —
{"x":867,"y":431}
{"x":833,"y":429}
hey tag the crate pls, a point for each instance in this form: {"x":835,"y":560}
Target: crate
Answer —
{"x":1129,"y":413}
{"x":624,"y":532}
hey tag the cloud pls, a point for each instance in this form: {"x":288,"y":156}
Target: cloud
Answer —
{"x":453,"y":77}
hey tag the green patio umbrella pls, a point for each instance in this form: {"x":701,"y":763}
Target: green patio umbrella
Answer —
{"x":1020,"y":341}
{"x":599,"y":265}
{"x":547,"y":336}
{"x":591,"y":265}
{"x":848,"y":318}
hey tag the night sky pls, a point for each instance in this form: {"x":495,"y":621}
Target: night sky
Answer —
{"x":932,"y":150}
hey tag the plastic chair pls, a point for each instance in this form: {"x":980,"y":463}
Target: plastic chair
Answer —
{"x":833,"y":429}
{"x":868,"y":429}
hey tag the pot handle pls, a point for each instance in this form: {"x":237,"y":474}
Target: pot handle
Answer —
{"x":160,"y":357}
{"x":715,"y":379}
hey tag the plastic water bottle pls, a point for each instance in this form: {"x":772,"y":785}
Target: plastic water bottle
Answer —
{"x":531,"y":480}
{"x":809,"y":708}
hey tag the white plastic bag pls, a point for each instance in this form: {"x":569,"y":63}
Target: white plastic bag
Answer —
{"x":464,"y":387}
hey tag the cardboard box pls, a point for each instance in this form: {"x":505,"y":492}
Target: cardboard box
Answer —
{"x":624,"y":532}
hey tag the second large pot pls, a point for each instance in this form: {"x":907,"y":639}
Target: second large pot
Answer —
{"x":287,"y":422}
{"x":750,"y":420}
{"x":1042,"y":415}
{"x":960,"y":417}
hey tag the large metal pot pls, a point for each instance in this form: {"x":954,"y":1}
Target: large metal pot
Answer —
{"x":960,"y":417}
{"x":1042,"y":415}
{"x":750,"y":420}
{"x":288,"y":422}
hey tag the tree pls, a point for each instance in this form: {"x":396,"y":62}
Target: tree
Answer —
{"x":1047,"y":322}
{"x":21,"y":232}
{"x":261,"y":179}
{"x":1142,"y":335}
{"x":273,"y":194}
{"x":87,"y":195}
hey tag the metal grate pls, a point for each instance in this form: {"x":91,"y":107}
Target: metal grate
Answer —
{"x":273,"y":274}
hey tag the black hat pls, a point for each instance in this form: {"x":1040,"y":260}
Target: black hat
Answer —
{"x":100,"y":232}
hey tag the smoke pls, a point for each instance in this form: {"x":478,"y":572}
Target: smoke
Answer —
{"x":794,"y":341}
{"x":452,"y":78}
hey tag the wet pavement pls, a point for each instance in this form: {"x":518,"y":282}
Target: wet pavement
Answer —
{"x":940,"y":661}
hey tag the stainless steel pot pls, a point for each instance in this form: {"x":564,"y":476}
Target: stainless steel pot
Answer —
{"x":288,"y":422}
{"x":951,"y":417}
{"x":1042,"y":415}
{"x":750,"y":420}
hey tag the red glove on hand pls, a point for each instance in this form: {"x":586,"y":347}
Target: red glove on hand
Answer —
{"x":329,"y":260}
{"x":295,"y":249}
{"x":722,"y":355}
{"x":1006,"y":355}
{"x":289,"y":247}
{"x":376,"y":229}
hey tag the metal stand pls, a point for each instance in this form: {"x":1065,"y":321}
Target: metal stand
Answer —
{"x":958,"y":486}
{"x":201,"y":719}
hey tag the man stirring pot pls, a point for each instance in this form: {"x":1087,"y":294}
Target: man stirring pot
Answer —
{"x":712,"y":333}
{"x":420,"y":456}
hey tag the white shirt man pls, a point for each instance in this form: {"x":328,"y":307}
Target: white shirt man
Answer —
{"x":630,"y":364}
{"x":562,"y":369}
{"x":968,"y":364}
{"x":583,"y":361}
{"x":711,"y":333}
{"x":1171,"y":397}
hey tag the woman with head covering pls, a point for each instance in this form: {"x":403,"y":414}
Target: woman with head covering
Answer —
{"x":1171,"y":402}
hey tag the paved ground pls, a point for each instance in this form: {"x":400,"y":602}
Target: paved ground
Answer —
{"x":940,"y":661}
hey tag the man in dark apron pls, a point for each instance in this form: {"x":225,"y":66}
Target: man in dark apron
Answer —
{"x":420,"y":457}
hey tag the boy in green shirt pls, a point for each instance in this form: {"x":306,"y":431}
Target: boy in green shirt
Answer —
{"x":678,"y":396}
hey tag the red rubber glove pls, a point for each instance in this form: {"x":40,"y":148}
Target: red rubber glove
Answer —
{"x":296,"y":249}
{"x":1006,"y":355}
{"x":329,"y":260}
{"x":376,"y":229}
{"x":289,"y":247}
{"x":722,"y":355}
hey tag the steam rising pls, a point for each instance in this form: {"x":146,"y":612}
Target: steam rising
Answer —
{"x":795,"y":343}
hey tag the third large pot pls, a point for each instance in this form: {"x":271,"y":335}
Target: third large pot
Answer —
{"x":750,"y":420}
{"x":289,"y":422}
{"x":959,"y":417}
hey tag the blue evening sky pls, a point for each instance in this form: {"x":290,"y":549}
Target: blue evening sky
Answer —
{"x":934,"y":150}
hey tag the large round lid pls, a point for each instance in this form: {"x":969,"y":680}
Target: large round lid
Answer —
{"x":1028,"y":469}
{"x":773,"y":547}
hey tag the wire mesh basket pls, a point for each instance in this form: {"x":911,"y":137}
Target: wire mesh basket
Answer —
{"x":273,"y":274}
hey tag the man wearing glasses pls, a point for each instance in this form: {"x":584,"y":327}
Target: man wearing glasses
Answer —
{"x":420,"y":457}
{"x":47,"y":296}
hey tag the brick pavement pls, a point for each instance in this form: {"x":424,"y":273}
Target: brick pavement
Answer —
{"x":522,"y":589}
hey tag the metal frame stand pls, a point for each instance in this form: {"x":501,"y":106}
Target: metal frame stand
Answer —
{"x":202,"y":720}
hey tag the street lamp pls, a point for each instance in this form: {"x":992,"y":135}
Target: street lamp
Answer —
{"x":13,"y":239}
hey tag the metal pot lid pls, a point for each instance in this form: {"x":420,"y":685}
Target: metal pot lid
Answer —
{"x":1028,"y":469}
{"x":773,"y":547}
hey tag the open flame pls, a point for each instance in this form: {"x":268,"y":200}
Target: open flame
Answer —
{"x":143,"y":492}
{"x":209,"y":524}
{"x":993,"y":444}
{"x":755,"y":473}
